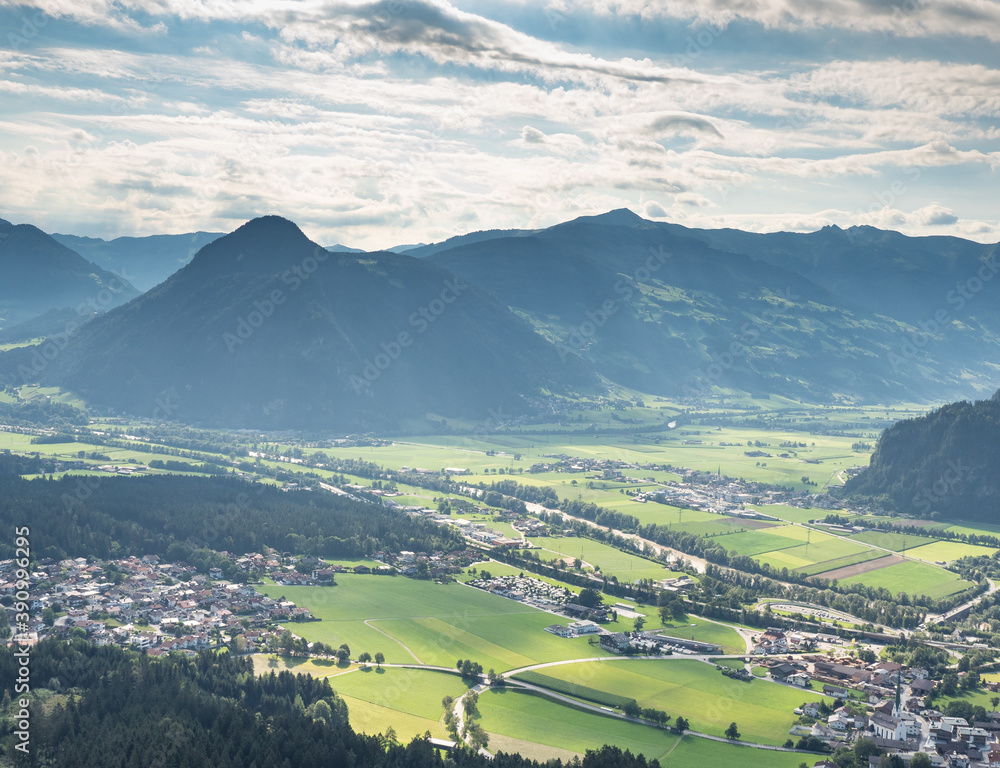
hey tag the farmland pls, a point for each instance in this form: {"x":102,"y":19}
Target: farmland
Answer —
{"x":914,"y":578}
{"x":435,"y":624}
{"x":695,"y":690}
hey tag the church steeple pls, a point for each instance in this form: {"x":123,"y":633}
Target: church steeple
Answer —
{"x":897,"y":709}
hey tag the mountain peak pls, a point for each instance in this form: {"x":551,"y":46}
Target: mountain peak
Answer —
{"x":267,"y":244}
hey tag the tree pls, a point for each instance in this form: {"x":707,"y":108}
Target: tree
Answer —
{"x":732,"y":732}
{"x":590,"y":598}
{"x":681,"y":724}
{"x":995,"y":700}
{"x":344,"y":653}
{"x":365,"y":657}
{"x":863,"y":749}
{"x":48,"y":616}
{"x":920,"y":760}
{"x":640,"y":622}
{"x":379,"y":659}
{"x":891,"y":761}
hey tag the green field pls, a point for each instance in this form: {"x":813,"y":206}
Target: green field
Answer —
{"x":531,"y":718}
{"x":414,"y":693}
{"x":914,"y":578}
{"x":699,"y":692}
{"x":822,"y":548}
{"x":841,"y":562}
{"x":611,"y":561}
{"x":439,"y":623}
{"x":948,"y":551}
{"x":567,"y":688}
{"x":897,"y":542}
{"x":693,"y":752}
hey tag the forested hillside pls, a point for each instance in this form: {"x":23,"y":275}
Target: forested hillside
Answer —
{"x":175,"y":516}
{"x":945,"y":464}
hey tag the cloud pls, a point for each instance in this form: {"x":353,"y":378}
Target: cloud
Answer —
{"x":531,"y":135}
{"x":902,"y":18}
{"x":653,"y":210}
{"x":935,"y":216}
{"x":683,"y":123}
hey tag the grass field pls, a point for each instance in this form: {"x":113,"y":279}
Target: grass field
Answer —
{"x":840,"y":562}
{"x":567,"y":688}
{"x":699,"y":692}
{"x":948,"y":551}
{"x":439,"y":623}
{"x":693,"y":752}
{"x":539,"y":720}
{"x":897,"y":542}
{"x":414,"y":693}
{"x":914,"y":578}
{"x":611,"y":561}
{"x":822,"y":548}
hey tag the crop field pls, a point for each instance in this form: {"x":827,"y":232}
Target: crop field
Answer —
{"x":914,"y":578}
{"x":790,"y":514}
{"x":699,"y":692}
{"x":592,"y":695}
{"x":535,"y":719}
{"x":415,"y":692}
{"x":436,"y":624}
{"x":978,"y":529}
{"x":897,"y":542}
{"x":827,"y":566}
{"x":948,"y":551}
{"x":757,"y":542}
{"x":373,"y":719}
{"x":820,"y":549}
{"x":611,"y":561}
{"x":693,"y":752}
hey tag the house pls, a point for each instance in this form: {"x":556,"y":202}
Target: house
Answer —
{"x":801,"y":679}
{"x":618,"y":642}
{"x":840,"y":721}
{"x":811,"y":709}
{"x":585,"y":627}
{"x":558,"y":629}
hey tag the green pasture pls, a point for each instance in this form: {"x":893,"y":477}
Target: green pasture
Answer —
{"x":416,"y":692}
{"x":897,"y":542}
{"x":439,"y":623}
{"x":693,"y":752}
{"x":949,"y":551}
{"x":531,"y":718}
{"x":612,"y":562}
{"x":914,"y":578}
{"x":699,"y":692}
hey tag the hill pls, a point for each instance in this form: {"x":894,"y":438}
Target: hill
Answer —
{"x":38,"y":275}
{"x":945,"y":464}
{"x":146,"y":261}
{"x":264,"y":328}
{"x":671,"y":311}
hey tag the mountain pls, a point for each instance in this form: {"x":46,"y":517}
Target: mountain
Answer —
{"x":264,"y":328}
{"x":338,"y":248}
{"x":146,"y":261}
{"x":945,"y":464}
{"x":39,"y":275}
{"x":675,"y":311}
{"x":423,"y":251}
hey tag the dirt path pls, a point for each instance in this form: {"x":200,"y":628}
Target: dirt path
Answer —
{"x":368,"y":622}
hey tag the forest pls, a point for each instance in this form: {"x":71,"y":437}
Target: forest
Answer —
{"x":177,"y":517}
{"x":943,"y":465}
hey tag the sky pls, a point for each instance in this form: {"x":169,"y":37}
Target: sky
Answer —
{"x":373,"y":124}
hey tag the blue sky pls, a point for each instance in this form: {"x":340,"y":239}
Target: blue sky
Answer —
{"x":377,"y":123}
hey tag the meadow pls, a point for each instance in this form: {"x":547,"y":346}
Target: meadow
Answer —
{"x":611,"y":562}
{"x":530,"y":718}
{"x":914,"y":578}
{"x":696,"y":690}
{"x":436,"y":624}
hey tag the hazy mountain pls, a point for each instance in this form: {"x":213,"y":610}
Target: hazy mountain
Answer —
{"x":39,"y":275}
{"x":267,"y":329}
{"x":145,"y":261}
{"x":423,"y":251}
{"x":338,"y":248}
{"x":945,"y":464}
{"x":670,"y":310}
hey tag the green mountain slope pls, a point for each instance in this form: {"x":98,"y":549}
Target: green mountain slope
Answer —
{"x":266,"y":329}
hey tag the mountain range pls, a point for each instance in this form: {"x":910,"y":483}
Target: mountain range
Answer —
{"x":44,"y":285}
{"x":265,"y":328}
{"x":242,"y":335}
